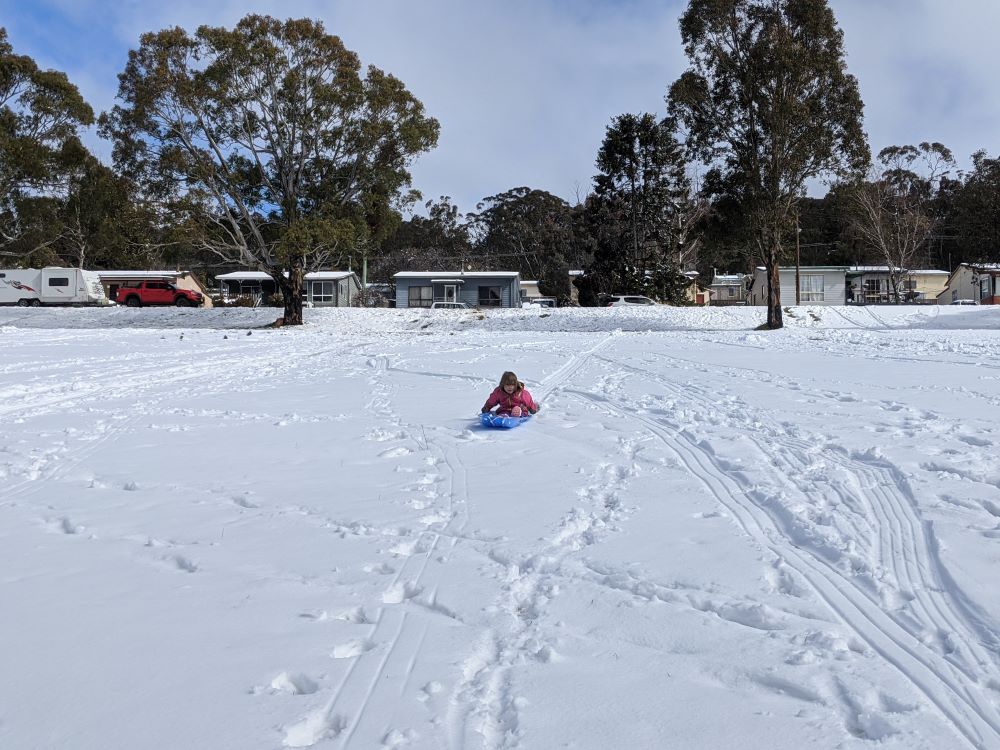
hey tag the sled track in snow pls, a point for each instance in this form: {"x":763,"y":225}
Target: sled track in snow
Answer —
{"x":480,"y":712}
{"x":906,"y":549}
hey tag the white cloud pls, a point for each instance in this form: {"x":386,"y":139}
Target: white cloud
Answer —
{"x":524,"y":90}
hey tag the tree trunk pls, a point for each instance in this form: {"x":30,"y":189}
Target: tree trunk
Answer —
{"x":772,"y":262}
{"x":774,"y":320}
{"x":291,"y":292}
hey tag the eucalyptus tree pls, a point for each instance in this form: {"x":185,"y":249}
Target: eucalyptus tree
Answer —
{"x":41,"y":114}
{"x":441,"y":239}
{"x":96,"y":224}
{"x":267,"y":144}
{"x":895,"y":210}
{"x":530,"y":231}
{"x":767,"y":102}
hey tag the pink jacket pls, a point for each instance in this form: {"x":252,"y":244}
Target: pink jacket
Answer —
{"x":507,"y":402}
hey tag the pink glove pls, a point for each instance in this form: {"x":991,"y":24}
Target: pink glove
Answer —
{"x":516,"y":411}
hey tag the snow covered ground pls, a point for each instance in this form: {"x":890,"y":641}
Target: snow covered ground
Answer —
{"x":214,"y":535}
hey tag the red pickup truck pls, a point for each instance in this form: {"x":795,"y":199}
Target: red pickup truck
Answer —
{"x":141,"y":293}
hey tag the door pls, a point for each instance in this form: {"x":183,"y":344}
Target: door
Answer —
{"x":451,"y":293}
{"x":159,"y":293}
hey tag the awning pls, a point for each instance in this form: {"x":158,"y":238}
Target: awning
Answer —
{"x":447,"y":281}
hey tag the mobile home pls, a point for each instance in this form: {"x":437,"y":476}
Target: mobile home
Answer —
{"x":818,"y":285}
{"x":474,"y":288}
{"x":31,"y":287}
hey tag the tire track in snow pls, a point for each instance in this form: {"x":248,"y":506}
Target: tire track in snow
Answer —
{"x":921,"y":570}
{"x":964,"y":706}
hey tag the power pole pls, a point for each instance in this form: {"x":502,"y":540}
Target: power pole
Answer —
{"x":798,"y":286}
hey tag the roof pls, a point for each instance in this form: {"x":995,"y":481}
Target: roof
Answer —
{"x":328,"y":275}
{"x":885,"y":269}
{"x":261,"y":276}
{"x":808,"y":268}
{"x":736,"y":278}
{"x":140,"y":274}
{"x":456,"y":274}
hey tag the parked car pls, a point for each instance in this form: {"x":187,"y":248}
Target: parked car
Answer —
{"x":538,"y":302}
{"x":630,"y":300}
{"x":965,"y":302}
{"x":449,"y":306}
{"x":140,"y":293}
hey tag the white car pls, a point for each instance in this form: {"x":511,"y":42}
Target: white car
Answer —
{"x":449,"y":306}
{"x":965,"y":302}
{"x":630,"y":300}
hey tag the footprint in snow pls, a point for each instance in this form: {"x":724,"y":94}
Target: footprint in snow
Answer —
{"x":184,"y":564}
{"x":352,"y":648}
{"x":68,"y":527}
{"x":398,"y":738}
{"x":400,"y":592}
{"x":294,"y":684}
{"x":395,"y":452}
{"x":382,"y":569}
{"x":241,"y":501}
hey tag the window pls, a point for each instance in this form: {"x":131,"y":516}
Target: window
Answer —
{"x":421,"y":296}
{"x":59,"y":281}
{"x":322,"y":291}
{"x":732,"y":291}
{"x":490,"y":296}
{"x":811,"y":288}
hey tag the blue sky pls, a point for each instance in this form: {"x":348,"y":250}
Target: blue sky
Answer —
{"x":525,"y":89}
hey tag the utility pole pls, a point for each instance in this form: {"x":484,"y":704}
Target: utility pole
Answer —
{"x":798,"y":286}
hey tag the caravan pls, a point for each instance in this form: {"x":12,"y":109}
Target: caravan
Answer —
{"x":30,"y":287}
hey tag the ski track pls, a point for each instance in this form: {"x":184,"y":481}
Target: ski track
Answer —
{"x":926,"y":644}
{"x":399,"y":630}
{"x":894,"y":593}
{"x":483,"y":708}
{"x":481,"y":711}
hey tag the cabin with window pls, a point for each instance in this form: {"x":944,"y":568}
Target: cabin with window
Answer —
{"x":974,"y":282}
{"x":872,"y":285}
{"x":728,"y":289}
{"x":818,"y":285}
{"x":474,"y":288}
{"x":319,"y":288}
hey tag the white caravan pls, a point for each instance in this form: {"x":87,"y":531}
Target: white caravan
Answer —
{"x":30,"y":287}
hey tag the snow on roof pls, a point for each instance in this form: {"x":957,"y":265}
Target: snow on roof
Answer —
{"x":885,"y":269}
{"x":456,"y":274}
{"x":328,"y":275}
{"x":261,"y":276}
{"x":807,"y":268}
{"x":139,"y":274}
{"x":736,"y":278}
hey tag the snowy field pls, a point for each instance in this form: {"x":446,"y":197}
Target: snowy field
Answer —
{"x":215,"y":535}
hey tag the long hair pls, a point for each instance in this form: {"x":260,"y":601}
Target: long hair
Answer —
{"x":509,"y":378}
